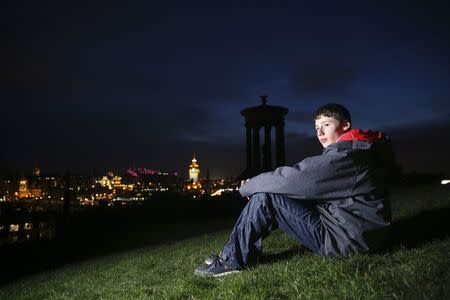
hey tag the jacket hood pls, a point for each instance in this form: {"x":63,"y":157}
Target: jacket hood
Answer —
{"x":362,"y":135}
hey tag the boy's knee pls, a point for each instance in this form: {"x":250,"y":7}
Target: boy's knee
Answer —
{"x":259,"y":200}
{"x":265,"y":198}
{"x":259,"y":197}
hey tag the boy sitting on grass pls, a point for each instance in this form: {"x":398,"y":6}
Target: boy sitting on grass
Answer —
{"x":329,"y":203}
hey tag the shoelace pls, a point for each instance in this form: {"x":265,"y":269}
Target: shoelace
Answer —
{"x":219,"y":261}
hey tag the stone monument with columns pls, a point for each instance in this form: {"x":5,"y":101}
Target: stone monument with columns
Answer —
{"x":259,"y":157}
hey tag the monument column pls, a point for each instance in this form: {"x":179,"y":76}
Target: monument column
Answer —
{"x":267,"y":117}
{"x":267,"y":148}
{"x":280,"y":143}
{"x":256,"y":149}
{"x":248,"y":147}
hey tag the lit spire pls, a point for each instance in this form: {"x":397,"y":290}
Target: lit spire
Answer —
{"x":194,"y":169}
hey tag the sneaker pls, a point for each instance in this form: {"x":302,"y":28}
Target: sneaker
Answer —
{"x":209,"y":260}
{"x":217,"y":268}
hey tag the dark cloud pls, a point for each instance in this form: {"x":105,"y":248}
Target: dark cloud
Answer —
{"x":300,"y":117}
{"x":321,"y":77}
{"x":294,"y":136}
{"x":301,"y":146}
{"x":422,"y":147}
{"x":430,"y":19}
{"x":33,"y":79}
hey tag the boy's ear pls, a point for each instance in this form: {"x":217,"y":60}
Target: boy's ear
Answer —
{"x":346,"y":125}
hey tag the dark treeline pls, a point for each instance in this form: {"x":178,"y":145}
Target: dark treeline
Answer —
{"x":164,"y":208}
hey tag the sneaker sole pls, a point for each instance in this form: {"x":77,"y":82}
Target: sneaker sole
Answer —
{"x":218,"y":275}
{"x":227,"y":273}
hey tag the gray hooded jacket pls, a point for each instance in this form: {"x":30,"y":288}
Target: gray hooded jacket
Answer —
{"x":348,"y":183}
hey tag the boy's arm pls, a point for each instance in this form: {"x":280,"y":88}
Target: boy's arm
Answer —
{"x":317,"y":177}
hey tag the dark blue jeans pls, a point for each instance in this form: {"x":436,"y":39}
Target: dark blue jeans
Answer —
{"x":265,"y":213}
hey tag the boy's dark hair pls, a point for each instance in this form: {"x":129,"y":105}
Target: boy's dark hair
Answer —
{"x":333,"y":110}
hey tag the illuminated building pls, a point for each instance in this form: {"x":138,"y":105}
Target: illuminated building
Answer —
{"x":36,"y":192}
{"x":23,"y":188}
{"x":35,"y":184}
{"x":117,"y":182}
{"x":194,"y":185}
{"x":194,"y":170}
{"x":105,"y":182}
{"x":114,"y":182}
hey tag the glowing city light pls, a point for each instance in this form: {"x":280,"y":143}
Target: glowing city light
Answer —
{"x":14,"y":228}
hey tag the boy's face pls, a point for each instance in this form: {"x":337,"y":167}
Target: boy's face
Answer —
{"x":329,"y":129}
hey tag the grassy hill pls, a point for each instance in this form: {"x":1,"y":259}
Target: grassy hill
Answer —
{"x":416,"y":266}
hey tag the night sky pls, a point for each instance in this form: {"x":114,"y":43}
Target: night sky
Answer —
{"x":98,"y":86}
